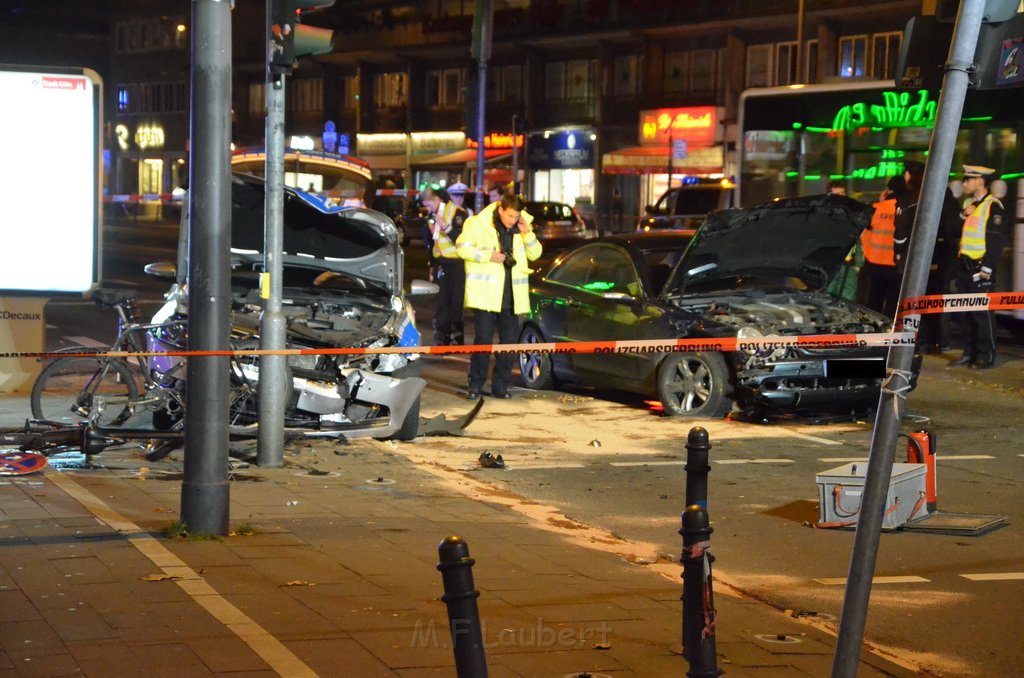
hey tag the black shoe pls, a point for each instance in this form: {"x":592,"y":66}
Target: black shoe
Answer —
{"x":964,"y":360}
{"x":473,"y":395}
{"x":489,"y":461}
{"x":984,"y":361}
{"x":503,"y":395}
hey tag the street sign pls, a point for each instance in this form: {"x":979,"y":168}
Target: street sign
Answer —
{"x":679,"y":149}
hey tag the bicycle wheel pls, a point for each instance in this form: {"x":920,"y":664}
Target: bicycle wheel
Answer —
{"x":68,"y":390}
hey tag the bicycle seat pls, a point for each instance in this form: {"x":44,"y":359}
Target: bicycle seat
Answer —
{"x":112,"y":297}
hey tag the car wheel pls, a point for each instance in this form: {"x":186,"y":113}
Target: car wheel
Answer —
{"x":535,"y":367}
{"x":693,"y":385}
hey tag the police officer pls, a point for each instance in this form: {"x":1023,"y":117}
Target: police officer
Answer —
{"x":878,"y":243}
{"x":457,"y":193}
{"x":981,"y":245}
{"x":497,"y":245}
{"x":445,"y":221}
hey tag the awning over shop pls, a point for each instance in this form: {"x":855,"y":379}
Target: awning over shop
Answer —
{"x":385,"y":162}
{"x":466,"y":156}
{"x":654,"y":160}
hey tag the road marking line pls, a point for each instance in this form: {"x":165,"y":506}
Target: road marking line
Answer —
{"x":753,"y":461}
{"x":647,"y":463}
{"x":839,"y":581}
{"x":535,"y":467}
{"x":994,"y":576}
{"x":269,"y":648}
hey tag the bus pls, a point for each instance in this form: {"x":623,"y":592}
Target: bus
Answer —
{"x":793,"y":140}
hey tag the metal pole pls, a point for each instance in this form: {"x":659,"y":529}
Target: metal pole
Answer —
{"x":515,"y":153}
{"x":699,"y":614}
{"x":204,"y":488}
{"x":800,"y":42}
{"x":463,"y":614}
{"x":273,"y":385}
{"x":482,"y":42}
{"x":890,"y":404}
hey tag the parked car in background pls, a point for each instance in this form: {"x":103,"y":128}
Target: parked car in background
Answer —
{"x":751,"y":273}
{"x":688,"y":205}
{"x":556,"y":221}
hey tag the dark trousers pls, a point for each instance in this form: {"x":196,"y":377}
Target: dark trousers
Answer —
{"x":934,"y":332}
{"x":448,"y":312}
{"x":981,"y":341}
{"x":883,"y":290}
{"x":507,"y":324}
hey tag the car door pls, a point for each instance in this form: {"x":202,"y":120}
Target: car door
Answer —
{"x":601,"y":300}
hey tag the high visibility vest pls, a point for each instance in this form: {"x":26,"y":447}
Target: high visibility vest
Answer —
{"x":878,"y":239}
{"x":485,"y":279}
{"x":972,"y":238}
{"x":443,"y":247}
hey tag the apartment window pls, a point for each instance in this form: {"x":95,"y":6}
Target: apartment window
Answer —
{"x":702,"y":70}
{"x":122,"y":99}
{"x":811,"y":61}
{"x":257,"y":97}
{"x":349,"y":92}
{"x":853,"y":54}
{"x":626,"y":71}
{"x":149,"y":35}
{"x":759,"y":65}
{"x":675,"y":71}
{"x":390,"y":90}
{"x":444,"y":88}
{"x":579,"y":79}
{"x":885,"y":52}
{"x":554,"y":80}
{"x":306,"y":95}
{"x":512,"y":83}
{"x":786,"y":64}
{"x":151,"y":97}
{"x":494,"y":83}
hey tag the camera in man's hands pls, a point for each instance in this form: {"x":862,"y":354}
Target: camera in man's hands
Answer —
{"x":510,"y":261}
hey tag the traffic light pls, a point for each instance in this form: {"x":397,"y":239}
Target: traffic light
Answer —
{"x":290,"y":39}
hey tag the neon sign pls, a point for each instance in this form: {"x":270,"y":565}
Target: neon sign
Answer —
{"x":498,"y":140}
{"x":696,"y":124}
{"x":149,"y":136}
{"x":898,"y":109}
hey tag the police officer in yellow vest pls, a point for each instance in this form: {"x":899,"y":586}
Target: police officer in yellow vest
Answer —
{"x":446,"y":220}
{"x":981,"y":245}
{"x":497,"y":245}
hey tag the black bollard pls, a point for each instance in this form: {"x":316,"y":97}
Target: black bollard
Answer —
{"x":697,"y":447}
{"x":699,"y":614}
{"x":463,"y":616}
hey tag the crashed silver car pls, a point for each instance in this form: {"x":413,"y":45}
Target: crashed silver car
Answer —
{"x":746,"y":273}
{"x":342,"y":287}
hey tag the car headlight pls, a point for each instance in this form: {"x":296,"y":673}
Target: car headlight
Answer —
{"x":751,"y":332}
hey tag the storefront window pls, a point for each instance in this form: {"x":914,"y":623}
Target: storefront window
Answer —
{"x":151,"y":172}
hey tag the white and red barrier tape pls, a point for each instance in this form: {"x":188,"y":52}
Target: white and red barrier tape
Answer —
{"x":939,"y":303}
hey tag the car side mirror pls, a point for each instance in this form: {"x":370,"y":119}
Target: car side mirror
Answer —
{"x":423,"y":288}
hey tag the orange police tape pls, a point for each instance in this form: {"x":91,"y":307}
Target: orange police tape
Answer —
{"x":768,"y":343}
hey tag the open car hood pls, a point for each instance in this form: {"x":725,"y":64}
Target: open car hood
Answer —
{"x":360,"y":243}
{"x":805,"y":239}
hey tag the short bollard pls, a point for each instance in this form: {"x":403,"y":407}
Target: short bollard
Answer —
{"x":463,"y":615}
{"x":699,"y":614}
{"x":697,"y":447}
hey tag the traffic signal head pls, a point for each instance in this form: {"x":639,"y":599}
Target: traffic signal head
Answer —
{"x":289,"y":39}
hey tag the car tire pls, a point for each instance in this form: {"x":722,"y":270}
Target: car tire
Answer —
{"x":535,"y":367}
{"x":694,"y":385}
{"x":411,"y":424}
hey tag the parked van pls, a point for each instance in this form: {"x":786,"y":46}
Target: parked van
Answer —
{"x":686,"y":206}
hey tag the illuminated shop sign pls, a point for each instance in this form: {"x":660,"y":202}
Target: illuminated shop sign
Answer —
{"x":302,"y":142}
{"x":698,"y":125}
{"x":895,"y":109}
{"x":149,"y":136}
{"x":572,"y":149}
{"x":498,"y":140}
{"x":435,"y":142}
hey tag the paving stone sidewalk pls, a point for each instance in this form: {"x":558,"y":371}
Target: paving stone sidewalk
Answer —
{"x":331,"y":571}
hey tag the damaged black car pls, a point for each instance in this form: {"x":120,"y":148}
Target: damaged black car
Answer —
{"x":746,"y":273}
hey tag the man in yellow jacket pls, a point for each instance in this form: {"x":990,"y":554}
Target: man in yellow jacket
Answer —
{"x":497,"y":245}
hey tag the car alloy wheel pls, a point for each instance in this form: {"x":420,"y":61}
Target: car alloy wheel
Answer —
{"x":535,"y":367}
{"x":693,"y":385}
